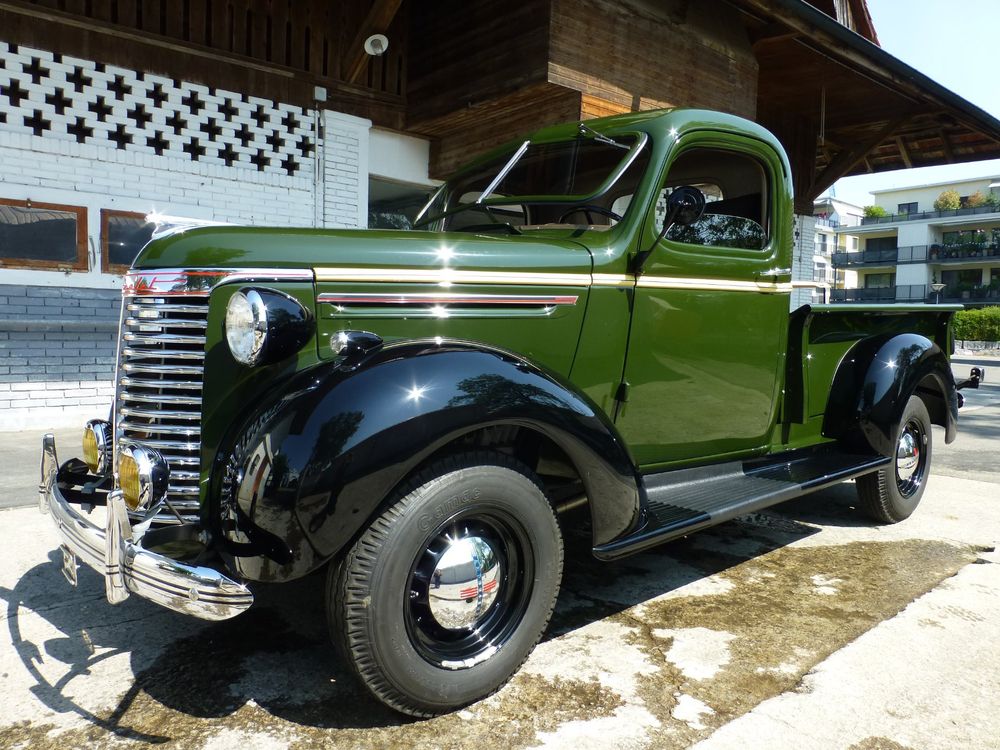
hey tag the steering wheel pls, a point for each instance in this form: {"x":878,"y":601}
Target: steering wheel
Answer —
{"x":586,"y":208}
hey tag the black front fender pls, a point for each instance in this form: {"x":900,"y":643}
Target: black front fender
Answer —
{"x":875,"y":380}
{"x":309,"y":467}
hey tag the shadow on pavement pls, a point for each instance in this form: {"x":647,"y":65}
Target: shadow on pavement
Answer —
{"x":278,"y":654}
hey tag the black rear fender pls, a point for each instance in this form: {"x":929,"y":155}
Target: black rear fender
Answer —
{"x":875,"y":380}
{"x":309,"y":468}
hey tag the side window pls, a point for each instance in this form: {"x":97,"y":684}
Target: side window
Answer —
{"x":123,"y":235}
{"x":737,"y":200}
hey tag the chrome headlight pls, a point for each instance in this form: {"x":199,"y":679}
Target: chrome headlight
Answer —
{"x":143,"y":476}
{"x":246,"y":326}
{"x":265,"y":326}
{"x":97,"y":446}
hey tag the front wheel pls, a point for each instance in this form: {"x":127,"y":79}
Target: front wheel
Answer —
{"x":891,"y":494}
{"x":444,"y":596}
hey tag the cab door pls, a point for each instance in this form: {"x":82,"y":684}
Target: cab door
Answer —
{"x":707,"y":340}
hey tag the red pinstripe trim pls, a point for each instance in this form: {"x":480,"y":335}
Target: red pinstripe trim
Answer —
{"x":175,"y":283}
{"x":446,"y":299}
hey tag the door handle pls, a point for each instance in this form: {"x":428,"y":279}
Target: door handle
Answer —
{"x":774,"y":273}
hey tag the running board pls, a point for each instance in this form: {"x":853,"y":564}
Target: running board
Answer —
{"x":686,"y":500}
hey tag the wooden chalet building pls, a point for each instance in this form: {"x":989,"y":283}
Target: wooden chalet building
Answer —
{"x":273,"y":112}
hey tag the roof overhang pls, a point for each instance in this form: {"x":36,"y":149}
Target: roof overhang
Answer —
{"x":843,"y":105}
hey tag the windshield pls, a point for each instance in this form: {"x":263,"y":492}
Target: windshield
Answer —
{"x":579,"y":181}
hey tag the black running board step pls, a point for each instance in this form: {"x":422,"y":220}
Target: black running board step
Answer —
{"x":680,"y":502}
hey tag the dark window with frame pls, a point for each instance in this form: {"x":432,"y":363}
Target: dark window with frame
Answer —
{"x":43,"y":235}
{"x":906,"y":208}
{"x":880,"y":281}
{"x":123,"y":234}
{"x":735,"y":187}
{"x":881,"y":243}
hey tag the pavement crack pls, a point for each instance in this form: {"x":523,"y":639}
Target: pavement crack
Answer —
{"x":12,"y":612}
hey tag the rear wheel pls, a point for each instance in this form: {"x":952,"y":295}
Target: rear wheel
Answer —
{"x":893,"y":493}
{"x":444,"y":596}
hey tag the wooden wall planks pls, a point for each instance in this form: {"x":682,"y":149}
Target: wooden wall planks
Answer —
{"x":303,"y":35}
{"x":642,"y":54}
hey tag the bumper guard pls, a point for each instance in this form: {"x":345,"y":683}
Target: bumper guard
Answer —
{"x":126,"y":566}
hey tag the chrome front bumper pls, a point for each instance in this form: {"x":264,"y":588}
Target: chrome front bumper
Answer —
{"x":126,"y":566}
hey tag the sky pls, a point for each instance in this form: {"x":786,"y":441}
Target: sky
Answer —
{"x":955,"y":44}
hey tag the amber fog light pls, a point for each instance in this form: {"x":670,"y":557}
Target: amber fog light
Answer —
{"x":143,"y":476}
{"x":97,"y":446}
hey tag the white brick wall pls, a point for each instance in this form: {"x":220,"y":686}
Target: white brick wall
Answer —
{"x":344,"y":154}
{"x":259,"y":162}
{"x":49,"y":404}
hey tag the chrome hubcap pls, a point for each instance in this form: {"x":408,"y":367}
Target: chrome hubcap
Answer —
{"x":469,"y":588}
{"x":907,"y":455}
{"x":464,"y":583}
{"x":911,"y":458}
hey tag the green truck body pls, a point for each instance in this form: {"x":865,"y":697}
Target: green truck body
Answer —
{"x":607,"y":346}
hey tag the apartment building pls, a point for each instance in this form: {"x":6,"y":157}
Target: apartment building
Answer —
{"x":922,"y":251}
{"x":832,"y":218}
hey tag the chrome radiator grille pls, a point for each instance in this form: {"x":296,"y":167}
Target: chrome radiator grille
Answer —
{"x":160,"y":368}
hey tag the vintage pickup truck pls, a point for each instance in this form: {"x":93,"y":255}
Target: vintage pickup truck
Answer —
{"x":594,"y":318}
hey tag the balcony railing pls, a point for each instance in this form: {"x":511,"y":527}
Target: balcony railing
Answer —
{"x":890,"y":294}
{"x":821,"y":222}
{"x":965,"y":293}
{"x":950,"y":253}
{"x":919,"y":254}
{"x":910,"y":293}
{"x":885,"y":294}
{"x":920,"y":215}
{"x":883,"y":257}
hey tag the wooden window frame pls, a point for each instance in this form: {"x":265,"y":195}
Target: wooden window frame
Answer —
{"x":107,"y":213}
{"x":82,"y":262}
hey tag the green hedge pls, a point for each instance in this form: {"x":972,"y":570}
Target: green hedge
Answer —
{"x":978,"y":324}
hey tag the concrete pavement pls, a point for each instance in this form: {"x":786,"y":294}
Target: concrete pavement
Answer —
{"x":801,"y":626}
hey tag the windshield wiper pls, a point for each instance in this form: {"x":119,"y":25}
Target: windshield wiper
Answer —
{"x":601,"y":138}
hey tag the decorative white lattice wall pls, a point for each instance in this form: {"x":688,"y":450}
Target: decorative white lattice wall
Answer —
{"x":63,"y":98}
{"x":77,"y":132}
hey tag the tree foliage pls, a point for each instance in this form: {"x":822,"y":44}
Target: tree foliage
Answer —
{"x":975,"y":200}
{"x":949,"y":200}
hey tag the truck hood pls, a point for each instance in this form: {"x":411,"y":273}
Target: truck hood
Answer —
{"x":252,"y":247}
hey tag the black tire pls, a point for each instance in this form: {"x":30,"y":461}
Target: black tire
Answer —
{"x":379,"y":600}
{"x":891,"y":494}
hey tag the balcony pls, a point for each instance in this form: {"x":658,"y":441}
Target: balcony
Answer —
{"x":962,"y":253}
{"x":884,"y":295}
{"x":908,"y":293}
{"x":885,"y":257}
{"x":924,"y":215}
{"x":963,"y":294}
{"x":967,"y":294}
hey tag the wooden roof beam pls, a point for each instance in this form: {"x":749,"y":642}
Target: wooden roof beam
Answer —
{"x":846,"y":160}
{"x":904,"y":152}
{"x":379,"y":17}
{"x":771,"y":33}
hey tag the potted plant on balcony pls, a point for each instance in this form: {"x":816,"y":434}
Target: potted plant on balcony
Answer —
{"x":935,"y":251}
{"x":993,"y":290}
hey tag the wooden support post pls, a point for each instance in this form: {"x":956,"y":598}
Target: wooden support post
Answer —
{"x":946,"y":146}
{"x":904,"y":152}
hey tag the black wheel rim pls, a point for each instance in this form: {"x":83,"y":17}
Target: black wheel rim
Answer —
{"x":911,"y":458}
{"x":464,"y":647}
